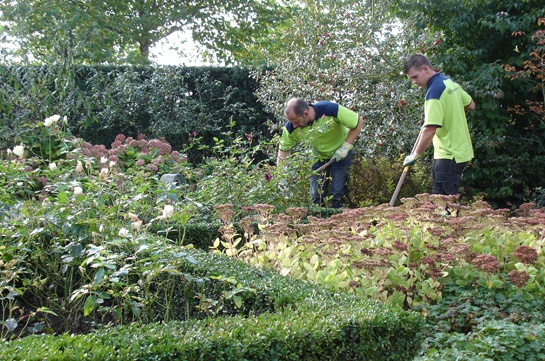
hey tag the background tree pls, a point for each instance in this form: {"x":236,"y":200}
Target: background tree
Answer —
{"x":120,"y":32}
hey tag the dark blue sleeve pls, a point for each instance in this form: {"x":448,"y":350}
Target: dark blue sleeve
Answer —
{"x":437,"y":88}
{"x":289,"y":126}
{"x":326,"y":108}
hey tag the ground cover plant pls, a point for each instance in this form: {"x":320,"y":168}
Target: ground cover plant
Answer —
{"x":475,"y":273}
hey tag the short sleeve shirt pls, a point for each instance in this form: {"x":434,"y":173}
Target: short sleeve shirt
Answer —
{"x":326,"y":133}
{"x":444,"y":108}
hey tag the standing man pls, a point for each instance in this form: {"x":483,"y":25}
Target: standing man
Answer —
{"x":445,"y":124}
{"x":331,"y":129}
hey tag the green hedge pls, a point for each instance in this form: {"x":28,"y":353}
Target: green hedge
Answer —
{"x":283,"y":319}
{"x":174,"y":103}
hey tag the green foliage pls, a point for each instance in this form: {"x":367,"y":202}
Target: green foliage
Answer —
{"x":508,"y":143}
{"x":319,"y":334}
{"x":175,"y":104}
{"x":94,"y":32}
{"x":468,"y":269}
{"x":98,"y":240}
{"x":373,"y":180}
{"x":343,"y":52}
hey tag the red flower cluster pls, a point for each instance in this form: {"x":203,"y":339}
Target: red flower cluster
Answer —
{"x":486,"y":263}
{"x":525,"y":254}
{"x":519,"y":278}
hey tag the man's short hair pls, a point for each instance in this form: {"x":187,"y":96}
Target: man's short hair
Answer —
{"x":416,"y":61}
{"x":298,"y":106}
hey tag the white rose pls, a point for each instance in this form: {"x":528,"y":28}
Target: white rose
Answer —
{"x":52,"y":166}
{"x":103,"y":160}
{"x":123,"y":232}
{"x":133,"y":217}
{"x":78,"y":191}
{"x":103,"y":173}
{"x":19,"y":150}
{"x":79,"y":167}
{"x":168,"y":211}
{"x":48,"y":122}
{"x":136,"y":225}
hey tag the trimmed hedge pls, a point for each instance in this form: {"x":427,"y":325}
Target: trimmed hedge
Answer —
{"x":283,"y":319}
{"x":174,"y":103}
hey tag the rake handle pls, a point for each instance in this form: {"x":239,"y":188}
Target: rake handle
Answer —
{"x":331,"y":161}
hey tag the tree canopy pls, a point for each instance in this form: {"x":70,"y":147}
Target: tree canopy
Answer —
{"x":111,"y":31}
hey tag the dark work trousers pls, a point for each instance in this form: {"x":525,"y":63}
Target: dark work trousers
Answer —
{"x":335,"y":177}
{"x":446,"y":176}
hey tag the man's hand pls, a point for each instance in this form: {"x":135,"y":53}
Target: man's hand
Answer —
{"x":342,"y":152}
{"x":411,"y":159}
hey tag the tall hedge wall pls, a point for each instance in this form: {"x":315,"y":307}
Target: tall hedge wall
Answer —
{"x":175,"y":103}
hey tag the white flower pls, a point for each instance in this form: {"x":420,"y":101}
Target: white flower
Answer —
{"x":101,"y":228}
{"x":123,"y":232}
{"x":136,"y":225}
{"x":79,"y":167}
{"x":112,"y":164}
{"x":103,"y":173}
{"x":65,"y":120}
{"x":19,"y":150}
{"x":52,"y":166}
{"x":88,"y":165}
{"x":48,"y":122}
{"x":167,"y":211}
{"x":133,"y":217}
{"x":78,"y":191}
{"x":103,"y":160}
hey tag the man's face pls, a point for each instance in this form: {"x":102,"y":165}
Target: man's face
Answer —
{"x":298,"y":121}
{"x":419,"y":77}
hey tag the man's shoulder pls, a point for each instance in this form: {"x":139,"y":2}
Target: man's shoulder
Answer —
{"x":436,"y":86}
{"x":326,"y":108}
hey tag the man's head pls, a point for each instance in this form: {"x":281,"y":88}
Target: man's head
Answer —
{"x":298,"y":112}
{"x":418,"y":69}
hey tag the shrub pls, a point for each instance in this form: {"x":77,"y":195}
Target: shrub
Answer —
{"x":373,"y":181}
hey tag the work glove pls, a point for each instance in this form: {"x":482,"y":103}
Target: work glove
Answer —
{"x":411,"y":159}
{"x":342,"y":152}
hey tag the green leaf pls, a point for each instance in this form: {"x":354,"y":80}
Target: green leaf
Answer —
{"x":62,"y":197}
{"x":89,"y":305}
{"x":99,"y":276}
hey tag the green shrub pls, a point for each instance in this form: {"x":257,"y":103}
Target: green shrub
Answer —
{"x":284,"y":319}
{"x":372,"y":181}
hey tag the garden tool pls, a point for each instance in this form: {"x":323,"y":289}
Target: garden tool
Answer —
{"x":331,"y":161}
{"x":403,"y":175}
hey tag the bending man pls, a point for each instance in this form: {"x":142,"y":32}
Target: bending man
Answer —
{"x":331,"y":129}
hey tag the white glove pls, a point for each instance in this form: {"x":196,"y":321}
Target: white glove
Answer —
{"x":411,"y":159}
{"x":342,"y":152}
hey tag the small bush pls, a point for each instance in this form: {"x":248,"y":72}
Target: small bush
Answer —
{"x":373,"y":181}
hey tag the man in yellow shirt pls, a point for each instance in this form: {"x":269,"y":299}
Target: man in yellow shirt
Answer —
{"x":331,"y":129}
{"x":445,"y":125}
